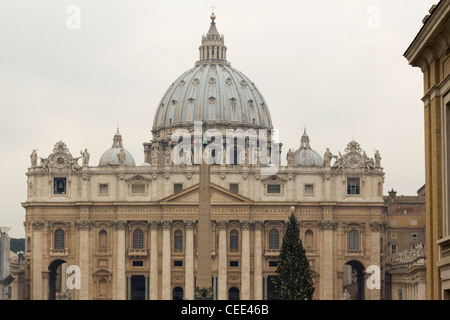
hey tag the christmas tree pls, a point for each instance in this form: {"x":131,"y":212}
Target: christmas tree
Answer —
{"x":293,"y":276}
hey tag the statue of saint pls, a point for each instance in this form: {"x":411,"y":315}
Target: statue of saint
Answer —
{"x":327,"y":158}
{"x":155,"y":156}
{"x":86,"y":156}
{"x":167,"y":156}
{"x":290,"y":157}
{"x":33,"y":158}
{"x":122,"y":157}
{"x":377,"y":158}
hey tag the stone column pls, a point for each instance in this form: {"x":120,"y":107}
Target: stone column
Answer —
{"x":327,"y":280}
{"x":83,"y":227}
{"x":121,"y":281}
{"x":154,"y":272}
{"x":189,"y":261}
{"x":258,"y":279}
{"x":36,"y":257}
{"x":222,"y":263}
{"x":245,"y":261}
{"x":166,"y":265}
{"x":375,"y":230}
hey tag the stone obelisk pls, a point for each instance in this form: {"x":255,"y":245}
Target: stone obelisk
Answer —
{"x":204,"y":273}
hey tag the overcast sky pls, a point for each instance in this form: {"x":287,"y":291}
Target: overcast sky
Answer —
{"x":335,"y":67}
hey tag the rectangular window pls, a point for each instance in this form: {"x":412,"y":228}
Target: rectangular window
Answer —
{"x":178,"y":263}
{"x":273,"y":189}
{"x":393,"y":222}
{"x":177,"y":187}
{"x":234,"y":263}
{"x":234,"y":187}
{"x":309,"y":189}
{"x":353,"y":186}
{"x":138,"y":188}
{"x":414,"y":235}
{"x":394,"y":249}
{"x":414,"y":222}
{"x":59,"y":186}
{"x":138,"y":263}
{"x":103,"y":189}
{"x":273,"y":263}
{"x":400,"y":294}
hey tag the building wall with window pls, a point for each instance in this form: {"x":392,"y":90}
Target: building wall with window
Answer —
{"x":430,"y":52}
{"x":405,"y":246}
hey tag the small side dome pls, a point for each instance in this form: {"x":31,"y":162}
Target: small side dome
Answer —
{"x":305,"y":156}
{"x":112,"y":156}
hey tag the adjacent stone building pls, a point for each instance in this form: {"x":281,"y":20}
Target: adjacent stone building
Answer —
{"x":430,"y":51}
{"x":405,"y":246}
{"x":130,"y":231}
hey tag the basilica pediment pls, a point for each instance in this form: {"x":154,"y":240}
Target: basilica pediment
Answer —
{"x":219,"y":195}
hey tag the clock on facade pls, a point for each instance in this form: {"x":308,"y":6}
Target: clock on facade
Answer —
{"x":60,"y":160}
{"x":353,"y":160}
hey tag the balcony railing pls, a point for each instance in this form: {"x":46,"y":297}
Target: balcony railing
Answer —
{"x":137,"y":252}
{"x":272,"y":252}
{"x":59,"y":252}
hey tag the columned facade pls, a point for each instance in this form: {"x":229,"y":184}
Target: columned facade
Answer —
{"x":132,"y":231}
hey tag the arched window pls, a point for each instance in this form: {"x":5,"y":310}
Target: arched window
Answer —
{"x":309,"y":238}
{"x":274,"y":239}
{"x":102,"y":240}
{"x":353,"y":240}
{"x":138,"y":239}
{"x":233,"y":293}
{"x":59,"y":239}
{"x":177,"y":293}
{"x":178,"y":240}
{"x":234,"y":240}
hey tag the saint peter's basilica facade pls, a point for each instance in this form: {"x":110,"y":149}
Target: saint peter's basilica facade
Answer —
{"x":130,"y":230}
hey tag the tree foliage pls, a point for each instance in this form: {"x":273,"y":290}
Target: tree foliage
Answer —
{"x":292,"y":279}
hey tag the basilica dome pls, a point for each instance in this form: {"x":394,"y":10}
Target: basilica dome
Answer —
{"x":305,"y":156}
{"x":212,"y":92}
{"x":111,"y":157}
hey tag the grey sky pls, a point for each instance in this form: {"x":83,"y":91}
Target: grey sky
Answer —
{"x":316,"y":62}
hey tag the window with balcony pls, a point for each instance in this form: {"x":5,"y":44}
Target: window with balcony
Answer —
{"x":178,"y":241}
{"x":138,"y":239}
{"x":274,"y":239}
{"x":234,"y":240}
{"x":59,"y":239}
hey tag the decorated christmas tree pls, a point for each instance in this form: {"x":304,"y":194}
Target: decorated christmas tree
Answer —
{"x":293,"y":276}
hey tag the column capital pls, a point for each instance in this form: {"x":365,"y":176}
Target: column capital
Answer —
{"x":189,"y":224}
{"x":37,"y":225}
{"x":258,"y":225}
{"x":245,"y":224}
{"x":154,"y":224}
{"x":328,"y":225}
{"x":83,"y":224}
{"x":377,"y":225}
{"x":222,"y":224}
{"x":166,"y":224}
{"x":119,"y":225}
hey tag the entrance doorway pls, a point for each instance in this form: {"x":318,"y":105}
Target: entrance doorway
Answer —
{"x":57,"y":280}
{"x":137,"y":288}
{"x":353,"y":279}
